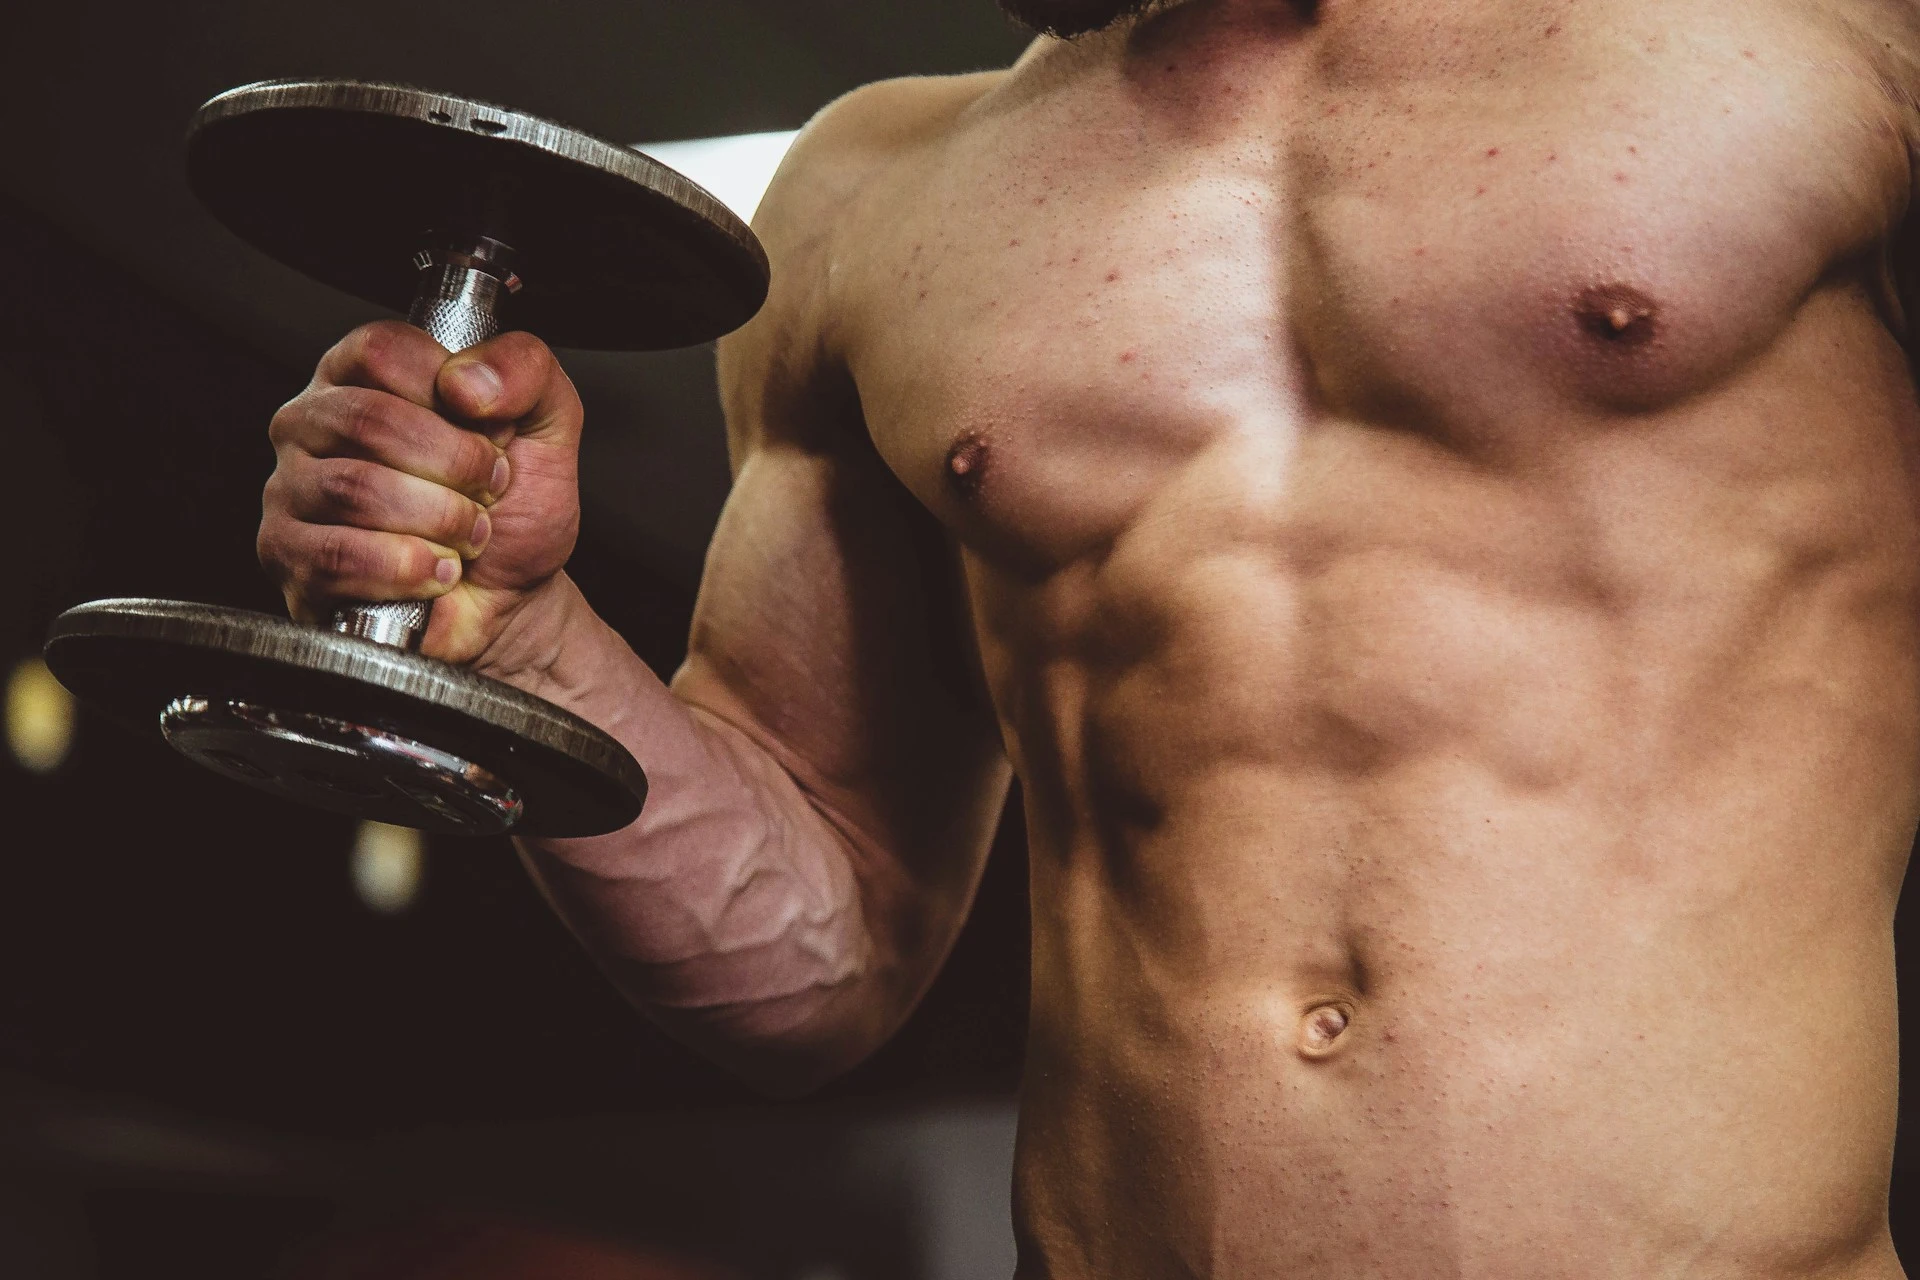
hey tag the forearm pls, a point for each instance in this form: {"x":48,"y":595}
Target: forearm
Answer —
{"x":734,"y":911}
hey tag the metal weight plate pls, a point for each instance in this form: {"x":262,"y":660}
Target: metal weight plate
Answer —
{"x":394,"y":731}
{"x":342,"y":179}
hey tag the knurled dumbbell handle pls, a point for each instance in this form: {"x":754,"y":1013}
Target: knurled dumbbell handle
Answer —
{"x":459,"y":306}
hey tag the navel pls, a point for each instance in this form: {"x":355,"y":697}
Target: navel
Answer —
{"x":1618,"y":314}
{"x":967,"y":464}
{"x":1323,"y":1030}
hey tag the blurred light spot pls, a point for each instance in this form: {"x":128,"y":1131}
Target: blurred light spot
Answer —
{"x":389,"y":864}
{"x":736,"y":170}
{"x":39,"y":717}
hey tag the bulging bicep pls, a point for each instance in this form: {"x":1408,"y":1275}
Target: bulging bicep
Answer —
{"x":830,"y":628}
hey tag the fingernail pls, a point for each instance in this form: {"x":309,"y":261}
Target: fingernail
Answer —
{"x":448,"y":571}
{"x":479,"y":383}
{"x":482,"y":530}
{"x":502,"y":473}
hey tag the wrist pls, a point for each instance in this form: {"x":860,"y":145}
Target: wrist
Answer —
{"x":550,"y":644}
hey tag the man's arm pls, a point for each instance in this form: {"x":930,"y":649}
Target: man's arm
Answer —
{"x":826,"y":773}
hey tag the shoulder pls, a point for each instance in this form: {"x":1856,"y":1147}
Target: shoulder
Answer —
{"x":856,"y":140}
{"x":810,"y":218}
{"x":899,"y":112}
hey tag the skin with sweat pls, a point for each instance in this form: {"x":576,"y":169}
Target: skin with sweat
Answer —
{"x":1425,"y":494}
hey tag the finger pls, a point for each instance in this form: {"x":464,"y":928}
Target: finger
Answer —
{"x":386,"y":355}
{"x":367,"y":495}
{"x":319,"y":564}
{"x":514,"y":380}
{"x":353,"y":422}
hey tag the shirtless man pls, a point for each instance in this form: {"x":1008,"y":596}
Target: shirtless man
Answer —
{"x":1425,"y":494}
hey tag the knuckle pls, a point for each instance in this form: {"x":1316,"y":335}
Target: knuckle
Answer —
{"x":527,"y":367}
{"x":335,"y":556}
{"x":520,"y":354}
{"x":366,"y":419}
{"x":347,"y":486}
{"x":386,"y":355}
{"x":400,"y":560}
{"x":375,"y":347}
{"x":282,"y":427}
{"x":355,"y":351}
{"x":269,"y":548}
{"x":473,"y":465}
{"x":281,"y":499}
{"x":457,"y":517}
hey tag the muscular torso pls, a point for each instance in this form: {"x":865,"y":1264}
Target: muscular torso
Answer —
{"x":1435,"y":485}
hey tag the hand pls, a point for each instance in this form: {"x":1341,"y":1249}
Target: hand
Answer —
{"x":377,"y":494}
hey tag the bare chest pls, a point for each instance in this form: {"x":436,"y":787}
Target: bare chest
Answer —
{"x":1141,"y":271}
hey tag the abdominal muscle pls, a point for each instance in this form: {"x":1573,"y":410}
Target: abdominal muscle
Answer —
{"x":1402,"y":913}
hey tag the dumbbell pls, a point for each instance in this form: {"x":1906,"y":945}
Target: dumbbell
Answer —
{"x":458,"y":213}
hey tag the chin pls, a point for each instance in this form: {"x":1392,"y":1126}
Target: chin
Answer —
{"x":1070,"y":18}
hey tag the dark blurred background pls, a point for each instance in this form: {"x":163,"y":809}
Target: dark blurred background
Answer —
{"x":212,"y":1050}
{"x":216,"y":1058}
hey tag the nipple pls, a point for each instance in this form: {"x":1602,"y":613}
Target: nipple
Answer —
{"x":1618,"y":314}
{"x":1321,"y":1030}
{"x":967,"y":464}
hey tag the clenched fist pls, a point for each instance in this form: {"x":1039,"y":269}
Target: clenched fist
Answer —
{"x":404,"y":473}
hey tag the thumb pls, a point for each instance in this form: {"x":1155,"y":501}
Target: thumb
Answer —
{"x":511,"y":385}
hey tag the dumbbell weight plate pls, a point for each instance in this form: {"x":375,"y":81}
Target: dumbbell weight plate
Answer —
{"x":340,"y":179}
{"x":136,"y":658}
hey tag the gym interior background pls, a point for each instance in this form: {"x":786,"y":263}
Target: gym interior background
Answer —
{"x":220,"y":1056}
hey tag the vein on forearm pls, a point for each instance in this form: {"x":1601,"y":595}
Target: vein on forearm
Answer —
{"x":739,"y":893}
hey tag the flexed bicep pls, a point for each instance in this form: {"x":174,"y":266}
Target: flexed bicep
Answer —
{"x":831,"y":630}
